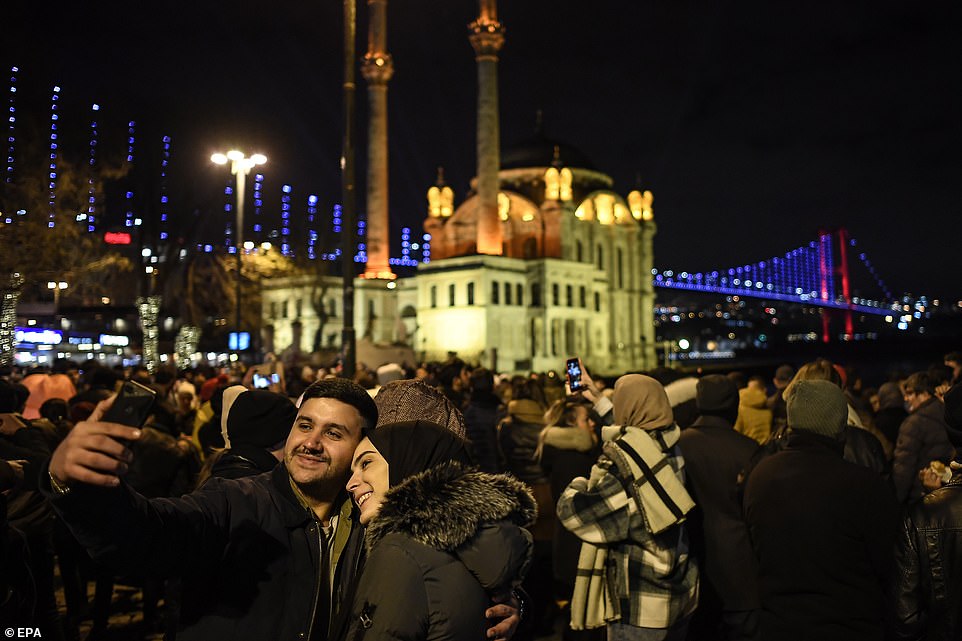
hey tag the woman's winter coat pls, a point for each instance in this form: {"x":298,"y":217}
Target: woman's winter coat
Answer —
{"x":444,"y":543}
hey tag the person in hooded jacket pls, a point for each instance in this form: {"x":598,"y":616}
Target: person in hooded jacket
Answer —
{"x":442,"y":539}
{"x":754,"y":418}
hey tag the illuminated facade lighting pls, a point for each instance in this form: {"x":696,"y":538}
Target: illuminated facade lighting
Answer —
{"x":11,"y":126}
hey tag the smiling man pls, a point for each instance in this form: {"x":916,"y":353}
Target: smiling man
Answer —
{"x":272,"y":556}
{"x":269,"y":556}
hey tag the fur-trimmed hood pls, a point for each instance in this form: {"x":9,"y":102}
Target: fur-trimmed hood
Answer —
{"x":445,"y":506}
{"x":476,"y":517}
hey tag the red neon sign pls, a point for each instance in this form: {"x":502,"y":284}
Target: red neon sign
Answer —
{"x":117,"y":238}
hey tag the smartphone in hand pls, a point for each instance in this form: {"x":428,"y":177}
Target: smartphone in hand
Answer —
{"x":573,"y":374}
{"x":132,"y":405}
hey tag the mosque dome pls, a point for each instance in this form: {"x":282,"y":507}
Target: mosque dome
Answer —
{"x":539,"y":151}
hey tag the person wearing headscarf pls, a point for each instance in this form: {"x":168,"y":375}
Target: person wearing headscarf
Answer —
{"x":442,"y":539}
{"x":413,"y":399}
{"x":630,"y":515}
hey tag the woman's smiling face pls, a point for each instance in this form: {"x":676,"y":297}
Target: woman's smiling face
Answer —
{"x":369,"y":481}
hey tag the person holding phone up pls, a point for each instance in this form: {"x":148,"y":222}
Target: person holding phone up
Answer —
{"x":273,"y":556}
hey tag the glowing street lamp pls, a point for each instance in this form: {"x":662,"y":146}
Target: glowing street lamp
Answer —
{"x":240,"y":166}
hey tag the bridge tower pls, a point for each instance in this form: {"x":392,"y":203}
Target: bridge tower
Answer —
{"x":828,"y":270}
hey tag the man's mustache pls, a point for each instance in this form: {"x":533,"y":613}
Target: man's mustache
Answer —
{"x":319,"y":454}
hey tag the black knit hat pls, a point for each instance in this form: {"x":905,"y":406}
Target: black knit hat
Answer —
{"x":256,"y":417}
{"x":717,"y":395}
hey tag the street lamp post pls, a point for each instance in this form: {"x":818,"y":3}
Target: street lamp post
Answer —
{"x":240,"y":166}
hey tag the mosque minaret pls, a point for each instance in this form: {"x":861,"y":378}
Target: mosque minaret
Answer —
{"x":377,"y":69}
{"x":487,"y":38}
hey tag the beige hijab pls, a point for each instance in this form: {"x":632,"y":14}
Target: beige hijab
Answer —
{"x":641,"y":401}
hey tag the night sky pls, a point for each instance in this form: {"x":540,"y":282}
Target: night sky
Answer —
{"x":755,"y":124}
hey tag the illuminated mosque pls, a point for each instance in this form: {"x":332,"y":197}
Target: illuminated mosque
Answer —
{"x":541,"y":261}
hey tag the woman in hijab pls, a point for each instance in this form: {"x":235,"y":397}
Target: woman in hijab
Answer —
{"x":442,"y":538}
{"x":630,"y":515}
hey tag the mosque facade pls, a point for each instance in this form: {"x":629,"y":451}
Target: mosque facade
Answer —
{"x":542,"y":260}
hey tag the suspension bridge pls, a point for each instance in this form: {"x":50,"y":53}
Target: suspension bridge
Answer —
{"x":815,"y":274}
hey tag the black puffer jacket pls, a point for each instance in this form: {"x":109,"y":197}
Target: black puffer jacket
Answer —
{"x":444,"y":542}
{"x":247,"y":551}
{"x":927,"y":595}
{"x":923,"y":438}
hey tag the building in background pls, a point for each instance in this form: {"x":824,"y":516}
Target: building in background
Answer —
{"x":542,"y":260}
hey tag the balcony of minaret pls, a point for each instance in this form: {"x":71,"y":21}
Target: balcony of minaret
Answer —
{"x":377,"y":68}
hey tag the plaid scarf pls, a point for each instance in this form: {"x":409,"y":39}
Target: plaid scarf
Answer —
{"x":650,"y":486}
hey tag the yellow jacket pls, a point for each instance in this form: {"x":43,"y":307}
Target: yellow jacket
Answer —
{"x":754,"y":419}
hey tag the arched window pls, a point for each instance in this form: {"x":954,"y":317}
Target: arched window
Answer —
{"x":434,"y":295}
{"x":451,"y":293}
{"x":519,"y":289}
{"x":507,"y":293}
{"x":579,"y":251}
{"x":536,"y":294}
{"x":601,"y":257}
{"x":470,"y":293}
{"x":554,"y":294}
{"x":495,"y":293}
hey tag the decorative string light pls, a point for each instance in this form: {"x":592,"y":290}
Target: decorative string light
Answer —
{"x":11,"y":124}
{"x":228,"y":228}
{"x":360,"y":255}
{"x":336,"y":228}
{"x":149,"y":308}
{"x":426,"y":248}
{"x":311,"y":232}
{"x":130,"y":221}
{"x":91,"y":172}
{"x":185,"y":345}
{"x":286,"y":220}
{"x":52,"y":185}
{"x":258,"y":204}
{"x":9,"y":297}
{"x":405,"y":260}
{"x":164,"y":204}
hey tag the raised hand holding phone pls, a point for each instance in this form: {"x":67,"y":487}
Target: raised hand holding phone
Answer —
{"x":95,"y":451}
{"x":573,"y":373}
{"x":578,"y":381}
{"x":132,"y":405}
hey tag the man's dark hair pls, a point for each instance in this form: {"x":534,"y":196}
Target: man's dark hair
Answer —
{"x":955,"y":357}
{"x":55,"y":410}
{"x":920,"y":382}
{"x":341,"y":389}
{"x":13,"y":397}
{"x":102,"y":377}
{"x":482,"y":381}
{"x":939,"y":374}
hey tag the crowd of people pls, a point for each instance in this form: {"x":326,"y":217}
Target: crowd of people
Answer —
{"x":445,"y":501}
